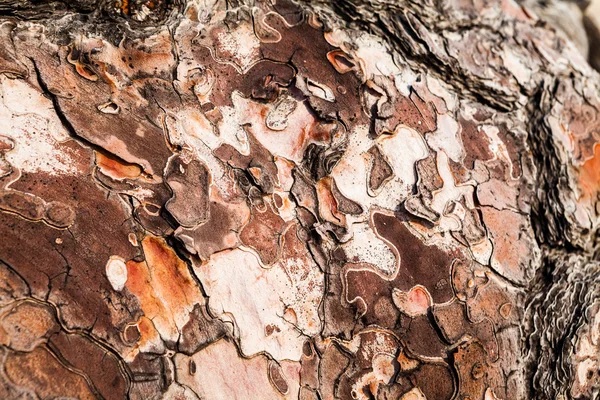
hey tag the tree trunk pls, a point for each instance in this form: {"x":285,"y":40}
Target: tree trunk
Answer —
{"x":344,"y":199}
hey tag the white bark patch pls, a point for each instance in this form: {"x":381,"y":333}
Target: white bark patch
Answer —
{"x":516,"y":66}
{"x":413,"y":394}
{"x":194,"y":131}
{"x":291,"y":141}
{"x":268,"y":306}
{"x":220,"y":373}
{"x":586,"y":360}
{"x":231,"y":131}
{"x":367,"y":247}
{"x":179,"y":392}
{"x":372,"y":54}
{"x":446,"y":137}
{"x":241,"y":44}
{"x":116,"y":272}
{"x":403,"y":149}
{"x":436,"y":88}
{"x":28,"y":118}
{"x":448,"y":194}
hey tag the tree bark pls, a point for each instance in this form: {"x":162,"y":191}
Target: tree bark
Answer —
{"x":344,"y":199}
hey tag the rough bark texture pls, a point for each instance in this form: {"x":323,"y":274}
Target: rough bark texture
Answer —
{"x":328,"y":200}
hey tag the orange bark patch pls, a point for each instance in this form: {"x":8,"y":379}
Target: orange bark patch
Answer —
{"x":512,"y":242}
{"x":115,"y":169}
{"x":328,"y":206}
{"x":340,"y":61}
{"x":589,"y":177}
{"x":164,"y":287}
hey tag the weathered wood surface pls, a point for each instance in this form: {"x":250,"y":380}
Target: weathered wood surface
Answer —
{"x":324,"y":200}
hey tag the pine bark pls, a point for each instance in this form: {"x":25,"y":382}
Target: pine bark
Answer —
{"x":344,"y":199}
